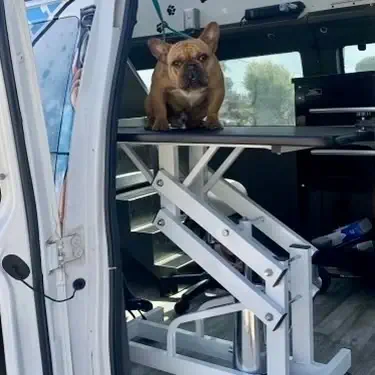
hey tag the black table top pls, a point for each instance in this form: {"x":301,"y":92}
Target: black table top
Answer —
{"x":246,"y":136}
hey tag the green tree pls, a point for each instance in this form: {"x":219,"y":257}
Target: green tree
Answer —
{"x":270,"y":93}
{"x":267,"y":98}
{"x":366,"y":64}
{"x":235,"y":110}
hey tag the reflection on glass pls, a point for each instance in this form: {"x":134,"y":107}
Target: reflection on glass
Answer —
{"x":54,"y":57}
{"x":259,"y":91}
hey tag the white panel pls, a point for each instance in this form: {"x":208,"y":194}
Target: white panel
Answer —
{"x":222,"y":11}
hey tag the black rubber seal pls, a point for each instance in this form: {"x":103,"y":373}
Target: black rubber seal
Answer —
{"x":28,"y":193}
{"x":119,"y":345}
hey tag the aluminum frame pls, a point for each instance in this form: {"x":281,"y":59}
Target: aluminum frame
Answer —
{"x":282,"y":278}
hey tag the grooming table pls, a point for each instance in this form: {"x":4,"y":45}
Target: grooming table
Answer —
{"x":250,"y":137}
{"x":288,"y":284}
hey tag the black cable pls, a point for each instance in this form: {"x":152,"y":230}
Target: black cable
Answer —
{"x":132,"y":314}
{"x":17,"y":268}
{"x":50,"y":298}
{"x":143,"y":317}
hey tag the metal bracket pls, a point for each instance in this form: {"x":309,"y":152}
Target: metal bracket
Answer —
{"x":65,"y":250}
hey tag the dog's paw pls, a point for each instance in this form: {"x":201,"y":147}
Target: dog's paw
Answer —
{"x":213,"y":123}
{"x":160,"y":125}
{"x":148,"y":123}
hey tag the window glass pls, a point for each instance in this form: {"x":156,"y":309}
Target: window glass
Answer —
{"x":356,"y":60}
{"x":54,"y":54}
{"x":259,"y":91}
{"x":59,"y":46}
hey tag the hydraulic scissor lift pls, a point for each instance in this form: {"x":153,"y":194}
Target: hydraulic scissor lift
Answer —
{"x":285,"y":304}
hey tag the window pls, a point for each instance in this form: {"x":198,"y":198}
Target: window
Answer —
{"x":259,"y":91}
{"x":59,"y":50}
{"x":54,"y":54}
{"x":356,"y":60}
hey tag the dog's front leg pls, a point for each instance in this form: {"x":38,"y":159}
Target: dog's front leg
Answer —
{"x":215,"y":100}
{"x":159,"y":111}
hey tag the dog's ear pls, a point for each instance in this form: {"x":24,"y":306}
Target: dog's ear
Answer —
{"x":159,"y":49}
{"x":210,"y":35}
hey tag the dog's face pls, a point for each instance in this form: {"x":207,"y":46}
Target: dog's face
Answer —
{"x":189,"y":62}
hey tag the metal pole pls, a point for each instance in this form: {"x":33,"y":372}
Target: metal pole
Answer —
{"x":249,"y":341}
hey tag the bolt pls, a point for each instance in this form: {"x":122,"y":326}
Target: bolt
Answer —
{"x":3,"y":176}
{"x":269,"y":317}
{"x":161,"y":222}
{"x":160,"y":183}
{"x":75,"y":241}
{"x":268,"y":272}
{"x":225,"y":232}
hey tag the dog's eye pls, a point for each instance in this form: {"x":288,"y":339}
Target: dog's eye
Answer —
{"x":203,"y":58}
{"x":177,"y":63}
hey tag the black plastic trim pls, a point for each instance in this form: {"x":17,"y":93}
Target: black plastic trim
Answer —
{"x":28,"y":193}
{"x":119,"y":346}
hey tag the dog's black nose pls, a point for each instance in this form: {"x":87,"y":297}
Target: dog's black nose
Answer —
{"x":193,"y":72}
{"x":193,"y":75}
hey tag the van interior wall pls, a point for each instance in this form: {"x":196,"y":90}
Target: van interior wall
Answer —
{"x":270,"y":180}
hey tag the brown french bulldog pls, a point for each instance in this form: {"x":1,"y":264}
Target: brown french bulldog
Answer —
{"x":187,"y":83}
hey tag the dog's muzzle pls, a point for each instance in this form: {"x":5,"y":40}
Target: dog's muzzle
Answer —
{"x":194,"y":76}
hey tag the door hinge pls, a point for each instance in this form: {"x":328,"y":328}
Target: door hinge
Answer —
{"x":66,"y":249}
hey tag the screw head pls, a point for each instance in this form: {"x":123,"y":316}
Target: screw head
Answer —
{"x":268,"y":272}
{"x":269,"y":317}
{"x":225,"y":232}
{"x":160,"y":183}
{"x":75,"y":241}
{"x":3,"y":176}
{"x":161,"y":222}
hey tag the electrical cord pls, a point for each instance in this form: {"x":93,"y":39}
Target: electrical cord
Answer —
{"x":17,"y":268}
{"x":48,"y":297}
{"x":132,"y":314}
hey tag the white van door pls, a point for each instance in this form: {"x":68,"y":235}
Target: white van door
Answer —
{"x":97,"y":318}
{"x":33,"y":295}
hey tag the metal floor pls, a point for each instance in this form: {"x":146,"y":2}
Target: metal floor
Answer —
{"x":344,"y":317}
